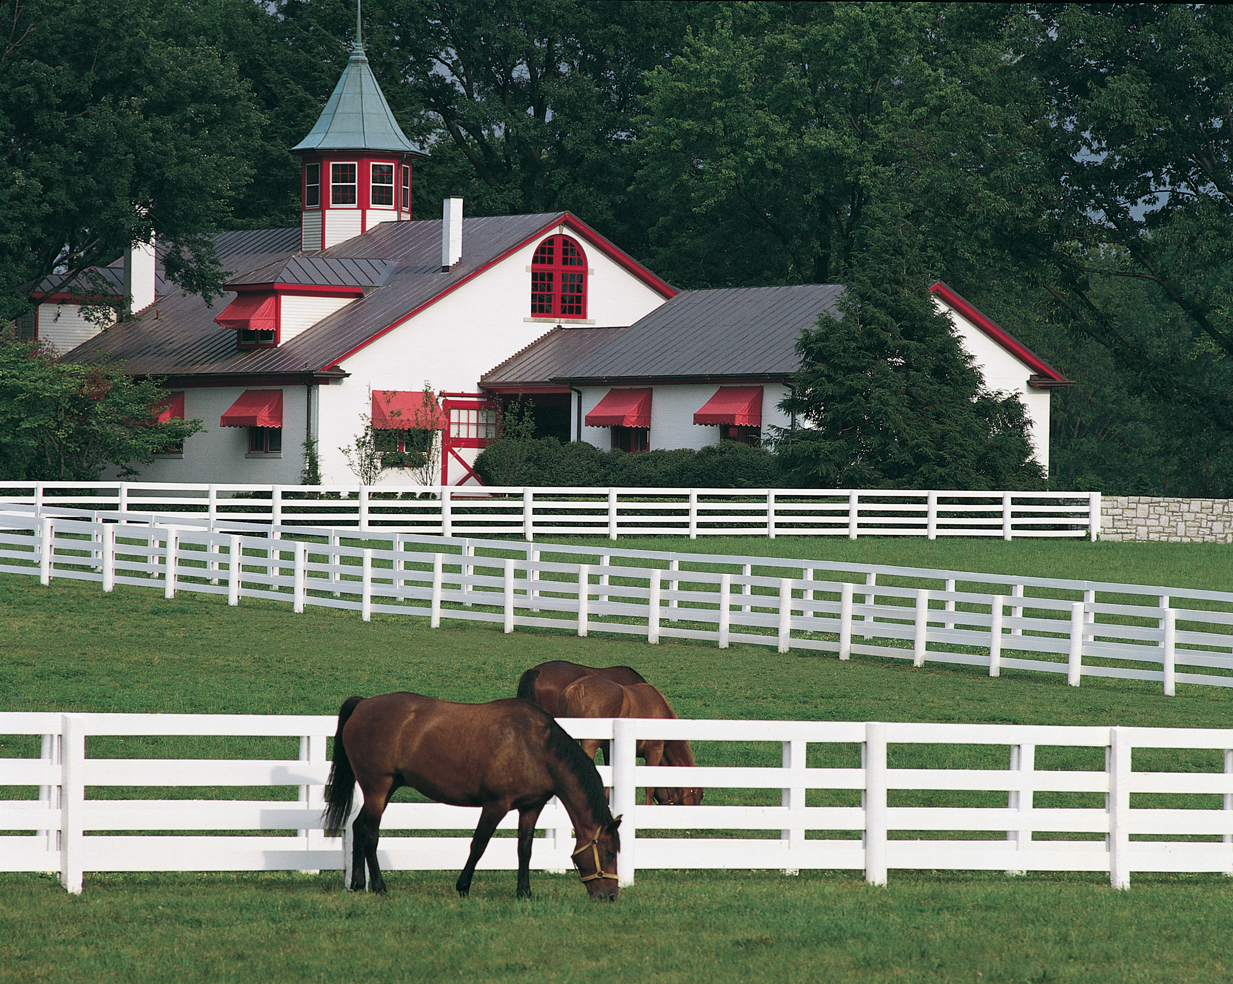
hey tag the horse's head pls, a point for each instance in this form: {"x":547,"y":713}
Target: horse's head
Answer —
{"x":677,"y":796}
{"x":596,"y":860}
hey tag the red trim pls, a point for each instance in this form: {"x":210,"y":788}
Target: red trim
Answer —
{"x":255,"y":408}
{"x":739,"y":406}
{"x":622,"y":408}
{"x":618,"y":256}
{"x":1051,"y":377}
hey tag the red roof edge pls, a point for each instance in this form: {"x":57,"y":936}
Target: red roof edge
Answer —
{"x":1044,"y":375}
{"x":614,"y":253}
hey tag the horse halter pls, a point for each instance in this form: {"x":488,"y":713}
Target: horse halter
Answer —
{"x":593,"y":844}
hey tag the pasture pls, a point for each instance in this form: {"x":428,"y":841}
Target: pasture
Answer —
{"x":69,"y":647}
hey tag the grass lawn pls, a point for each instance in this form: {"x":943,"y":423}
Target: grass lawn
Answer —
{"x":70,"y":647}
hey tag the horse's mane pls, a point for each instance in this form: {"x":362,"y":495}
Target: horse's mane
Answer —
{"x":582,"y":768}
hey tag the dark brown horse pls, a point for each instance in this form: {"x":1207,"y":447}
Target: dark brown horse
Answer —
{"x":502,"y":756}
{"x":597,"y":696}
{"x":544,"y":684}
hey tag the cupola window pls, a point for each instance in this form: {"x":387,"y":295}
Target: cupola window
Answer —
{"x":312,"y":185}
{"x":382,"y":185}
{"x":342,"y":184}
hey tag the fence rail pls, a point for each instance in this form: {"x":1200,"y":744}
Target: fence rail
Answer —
{"x":1136,"y":632}
{"x":530,"y":512}
{"x":847,"y":813}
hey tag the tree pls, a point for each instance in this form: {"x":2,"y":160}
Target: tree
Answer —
{"x":117,"y":123}
{"x":68,"y":422}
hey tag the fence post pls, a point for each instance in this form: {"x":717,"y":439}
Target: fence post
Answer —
{"x":931,"y":516}
{"x":1093,"y":508}
{"x":366,"y":586}
{"x":950,"y":602}
{"x":533,"y":576}
{"x":300,"y":588}
{"x":528,"y":513}
{"x":612,"y":514}
{"x":47,"y":533}
{"x":654,"y":590}
{"x":1074,"y":667}
{"x":51,"y":752}
{"x":693,"y":514}
{"x":438,"y":567}
{"x":996,"y":611}
{"x":276,"y":506}
{"x":1118,"y":766}
{"x":920,"y":636}
{"x":625,"y":795}
{"x":122,"y":499}
{"x":747,"y":588}
{"x":109,"y":557}
{"x":1016,"y":611}
{"x":873,"y":761}
{"x":793,"y":798}
{"x":468,"y":550}
{"x":785,"y":614}
{"x":770,"y":515}
{"x":235,"y":569}
{"x":447,"y":512}
{"x":725,"y":609}
{"x":871,"y":581}
{"x":1228,"y":803}
{"x":169,"y":572}
{"x":362,"y":518}
{"x":845,"y":620}
{"x":1022,"y":763}
{"x":212,"y":504}
{"x":853,"y":514}
{"x":1170,"y":652}
{"x":1007,"y":528}
{"x":605,"y":560}
{"x":72,"y":802}
{"x":509,"y":595}
{"x":674,"y":566}
{"x":584,"y":597}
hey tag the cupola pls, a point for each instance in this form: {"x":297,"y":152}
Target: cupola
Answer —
{"x":356,"y":161}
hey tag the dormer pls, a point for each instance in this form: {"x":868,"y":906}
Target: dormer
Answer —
{"x":277,"y":302}
{"x":356,"y":161}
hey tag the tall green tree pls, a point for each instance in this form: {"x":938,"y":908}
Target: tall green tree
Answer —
{"x":117,"y":123}
{"x":68,"y":422}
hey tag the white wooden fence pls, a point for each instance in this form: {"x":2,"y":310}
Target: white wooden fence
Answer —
{"x":528,"y":512}
{"x":1166,"y":635}
{"x":997,"y":818}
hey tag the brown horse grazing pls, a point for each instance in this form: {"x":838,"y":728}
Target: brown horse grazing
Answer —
{"x":597,"y":696}
{"x":502,"y":756}
{"x":544,"y":684}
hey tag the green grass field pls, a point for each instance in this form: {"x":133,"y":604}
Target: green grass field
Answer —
{"x":70,"y":647}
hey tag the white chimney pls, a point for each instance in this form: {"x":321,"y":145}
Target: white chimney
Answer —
{"x":139,"y":276}
{"x":451,"y":233}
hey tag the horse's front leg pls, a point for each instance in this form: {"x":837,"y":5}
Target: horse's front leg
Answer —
{"x":653,"y":752}
{"x":526,"y":840}
{"x":490,"y":816}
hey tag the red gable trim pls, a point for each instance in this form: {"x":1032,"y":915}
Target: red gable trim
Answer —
{"x":618,"y":256}
{"x":1044,"y":375}
{"x":406,"y":409}
{"x":622,"y":408}
{"x":740,"y":406}
{"x":255,"y":408}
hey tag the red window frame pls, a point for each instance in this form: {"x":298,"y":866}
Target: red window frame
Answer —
{"x":406,"y":187}
{"x":265,"y":440}
{"x":559,"y":279}
{"x":741,"y":434}
{"x":633,"y":440}
{"x":381,"y":185}
{"x":344,"y":184}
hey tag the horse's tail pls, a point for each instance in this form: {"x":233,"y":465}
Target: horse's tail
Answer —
{"x":526,"y":685}
{"x":340,"y":788}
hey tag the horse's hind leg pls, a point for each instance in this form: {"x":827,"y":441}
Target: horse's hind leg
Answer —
{"x":366,"y":831}
{"x":490,"y":816}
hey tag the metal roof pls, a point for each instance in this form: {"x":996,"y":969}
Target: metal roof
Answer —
{"x":318,"y":271}
{"x":732,"y":333}
{"x":356,"y":116}
{"x":549,"y":356}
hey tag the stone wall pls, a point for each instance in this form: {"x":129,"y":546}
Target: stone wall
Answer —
{"x":1147,"y":517}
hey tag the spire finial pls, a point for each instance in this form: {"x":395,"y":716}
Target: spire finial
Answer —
{"x":359,"y":39}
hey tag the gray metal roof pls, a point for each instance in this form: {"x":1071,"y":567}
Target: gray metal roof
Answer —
{"x":318,"y":271}
{"x":177,"y":336}
{"x":732,"y":333}
{"x":549,"y":356}
{"x":356,"y":116}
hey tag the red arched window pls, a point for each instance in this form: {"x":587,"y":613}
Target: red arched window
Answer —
{"x":559,"y":279}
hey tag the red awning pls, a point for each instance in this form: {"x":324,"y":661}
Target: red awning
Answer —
{"x":171,"y":408}
{"x":256,"y":408}
{"x":737,"y":405}
{"x":404,"y":409}
{"x":254,"y":311}
{"x":622,"y":408}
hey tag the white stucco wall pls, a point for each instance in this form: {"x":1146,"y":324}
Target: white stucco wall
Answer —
{"x":452,"y":343}
{"x":673,"y":406}
{"x":1005,"y":373}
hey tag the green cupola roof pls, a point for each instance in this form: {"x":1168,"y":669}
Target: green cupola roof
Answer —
{"x":357,"y":117}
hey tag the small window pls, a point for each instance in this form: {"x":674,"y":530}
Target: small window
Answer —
{"x":559,"y":279}
{"x":409,"y":447}
{"x":250,"y":338}
{"x":382,"y":185}
{"x":265,"y":440}
{"x":312,"y":185}
{"x":742,"y":435}
{"x":631,"y":439}
{"x":342,"y":184}
{"x":406,"y":187}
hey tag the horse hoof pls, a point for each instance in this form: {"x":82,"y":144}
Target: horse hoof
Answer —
{"x":463,"y":892}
